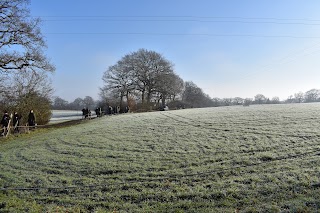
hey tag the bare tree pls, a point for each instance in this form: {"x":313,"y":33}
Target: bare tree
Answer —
{"x":260,"y":99}
{"x":194,"y":96}
{"x":238,"y":101}
{"x":290,"y":99}
{"x":59,"y":103}
{"x":299,"y":97}
{"x":21,"y":41}
{"x":312,"y":95}
{"x":227,"y":101}
{"x":119,"y":80}
{"x":143,"y":73}
{"x":88,"y":102}
{"x":247,"y":101}
{"x":20,"y":84}
{"x":77,"y":104}
{"x":147,"y":67}
{"x":275,"y":100}
{"x":25,"y":91}
{"x":216,"y":102}
{"x":168,"y":85}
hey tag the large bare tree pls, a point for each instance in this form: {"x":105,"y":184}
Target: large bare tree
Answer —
{"x":147,"y":67}
{"x":169,"y":85}
{"x":24,"y":82}
{"x":312,"y":95}
{"x":144,"y":73}
{"x":21,"y":41}
{"x":119,"y":80}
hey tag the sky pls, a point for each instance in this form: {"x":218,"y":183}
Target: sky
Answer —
{"x":229,"y":48}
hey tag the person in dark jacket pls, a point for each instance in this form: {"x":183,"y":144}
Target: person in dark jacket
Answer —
{"x":5,"y":122}
{"x":31,"y":119}
{"x":16,"y":122}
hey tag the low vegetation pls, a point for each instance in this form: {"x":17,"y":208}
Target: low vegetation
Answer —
{"x":229,"y":159}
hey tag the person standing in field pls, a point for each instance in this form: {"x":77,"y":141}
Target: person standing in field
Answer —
{"x":31,"y":119}
{"x":83,"y":113}
{"x":16,"y":121}
{"x":5,"y":122}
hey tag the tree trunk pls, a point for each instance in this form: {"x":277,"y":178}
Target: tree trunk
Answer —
{"x":127,"y":96}
{"x":163,"y":100}
{"x":148,"y":97}
{"x":121,"y":100}
{"x":142,"y":96}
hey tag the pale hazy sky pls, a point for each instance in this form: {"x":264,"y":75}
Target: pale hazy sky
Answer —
{"x":229,"y":48}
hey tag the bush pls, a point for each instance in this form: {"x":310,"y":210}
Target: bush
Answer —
{"x":40,"y":106}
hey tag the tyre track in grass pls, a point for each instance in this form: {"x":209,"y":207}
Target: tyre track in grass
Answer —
{"x":177,"y":177}
{"x":279,"y":147}
{"x":220,"y":162}
{"x":158,"y":187}
{"x":210,"y":127}
{"x":251,"y":132}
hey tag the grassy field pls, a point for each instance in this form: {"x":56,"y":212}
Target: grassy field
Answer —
{"x":228,"y":159}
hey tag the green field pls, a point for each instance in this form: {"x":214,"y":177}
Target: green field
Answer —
{"x":228,"y":159}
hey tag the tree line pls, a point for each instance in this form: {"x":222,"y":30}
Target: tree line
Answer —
{"x":78,"y":103}
{"x":145,"y":80}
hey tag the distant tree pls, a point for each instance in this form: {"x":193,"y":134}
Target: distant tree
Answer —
{"x":227,"y":101}
{"x":299,"y":97}
{"x":260,"y":99}
{"x":77,"y":104}
{"x":194,"y":96}
{"x":238,"y":101}
{"x":247,"y":101}
{"x":60,"y":104}
{"x":88,"y":102}
{"x":275,"y":100}
{"x":168,"y":85}
{"x":216,"y":102}
{"x":290,"y":99}
{"x":312,"y":95}
{"x":21,"y":41}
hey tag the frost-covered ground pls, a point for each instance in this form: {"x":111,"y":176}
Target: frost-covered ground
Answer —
{"x":246,"y":159}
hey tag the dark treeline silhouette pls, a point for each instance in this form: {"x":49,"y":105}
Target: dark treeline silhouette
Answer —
{"x":310,"y":96}
{"x":78,"y":104}
{"x":191,"y":96}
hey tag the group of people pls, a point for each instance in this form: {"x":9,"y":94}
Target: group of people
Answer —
{"x":98,"y":111}
{"x":16,"y":119}
{"x":86,"y":113}
{"x":116,"y":110}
